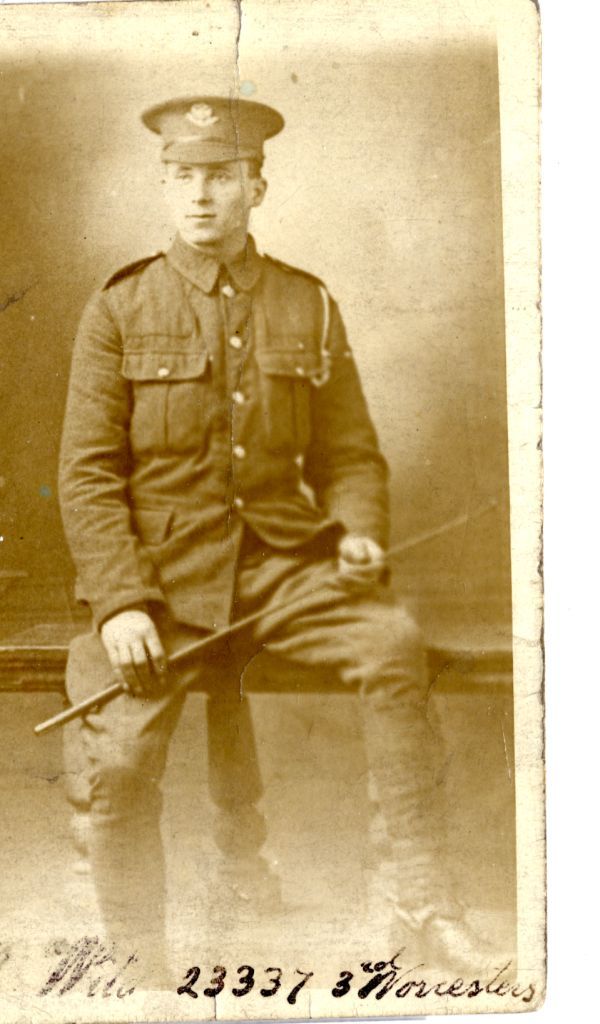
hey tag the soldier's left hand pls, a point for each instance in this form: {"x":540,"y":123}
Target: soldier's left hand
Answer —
{"x":360,"y":560}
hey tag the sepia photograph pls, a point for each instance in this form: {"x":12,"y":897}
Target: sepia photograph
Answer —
{"x":270,"y":656}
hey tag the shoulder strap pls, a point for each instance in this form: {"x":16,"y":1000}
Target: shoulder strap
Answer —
{"x":289,"y":269}
{"x":130,"y":268}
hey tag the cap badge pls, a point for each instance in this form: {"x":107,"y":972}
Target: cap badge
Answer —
{"x":201,"y":115}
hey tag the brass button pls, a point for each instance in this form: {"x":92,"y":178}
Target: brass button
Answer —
{"x":228,"y":291}
{"x":239,"y":451}
{"x":163,"y":371}
{"x":235,"y":342}
{"x":300,"y":371}
{"x":238,"y":502}
{"x":238,"y":397}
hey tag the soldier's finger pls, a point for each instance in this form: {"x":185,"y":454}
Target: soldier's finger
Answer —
{"x":376,"y":554}
{"x":357,"y":551}
{"x":127,"y":669}
{"x":115,"y":663}
{"x":141,"y":666}
{"x":364,"y":553}
{"x":156,"y":653}
{"x":113,"y":656}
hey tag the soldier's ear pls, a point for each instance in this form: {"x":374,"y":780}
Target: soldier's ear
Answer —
{"x":259,"y":187}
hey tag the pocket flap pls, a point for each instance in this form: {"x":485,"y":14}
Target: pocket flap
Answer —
{"x":164,"y":366}
{"x":152,"y":524}
{"x":288,"y":363}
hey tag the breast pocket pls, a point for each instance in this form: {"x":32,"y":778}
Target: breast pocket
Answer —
{"x":286,"y":377}
{"x":170,"y":399}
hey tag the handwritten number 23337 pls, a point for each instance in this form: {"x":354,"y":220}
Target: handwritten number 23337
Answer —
{"x":245,"y":982}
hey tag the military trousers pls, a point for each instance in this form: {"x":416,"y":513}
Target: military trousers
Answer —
{"x":362,"y":636}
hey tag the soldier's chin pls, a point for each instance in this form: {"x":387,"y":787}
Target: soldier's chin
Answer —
{"x":196,"y":232}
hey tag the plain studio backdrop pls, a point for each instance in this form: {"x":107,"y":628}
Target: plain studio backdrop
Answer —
{"x":386,"y":184}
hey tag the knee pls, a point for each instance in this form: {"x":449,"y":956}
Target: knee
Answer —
{"x":75,"y":765}
{"x":123,"y":789}
{"x":402,"y":631}
{"x":391,"y":637}
{"x":390,"y":656}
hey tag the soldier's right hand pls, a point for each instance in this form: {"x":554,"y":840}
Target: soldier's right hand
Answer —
{"x":135,"y":651}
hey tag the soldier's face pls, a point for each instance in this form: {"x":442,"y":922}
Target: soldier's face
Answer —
{"x":211,"y":203}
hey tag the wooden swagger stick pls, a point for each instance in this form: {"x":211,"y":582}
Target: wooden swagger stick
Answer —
{"x":109,"y":694}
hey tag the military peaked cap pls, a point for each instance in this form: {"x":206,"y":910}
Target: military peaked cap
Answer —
{"x":211,"y":129}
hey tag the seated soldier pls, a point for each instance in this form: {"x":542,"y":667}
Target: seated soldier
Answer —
{"x":218,"y":458}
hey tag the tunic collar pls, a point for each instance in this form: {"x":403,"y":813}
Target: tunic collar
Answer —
{"x":203,"y":269}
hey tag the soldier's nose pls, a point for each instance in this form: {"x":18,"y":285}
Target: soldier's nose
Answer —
{"x":201,"y":191}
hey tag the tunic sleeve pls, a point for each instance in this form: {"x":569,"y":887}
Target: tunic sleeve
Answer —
{"x":112,"y":569}
{"x":344,"y":464}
